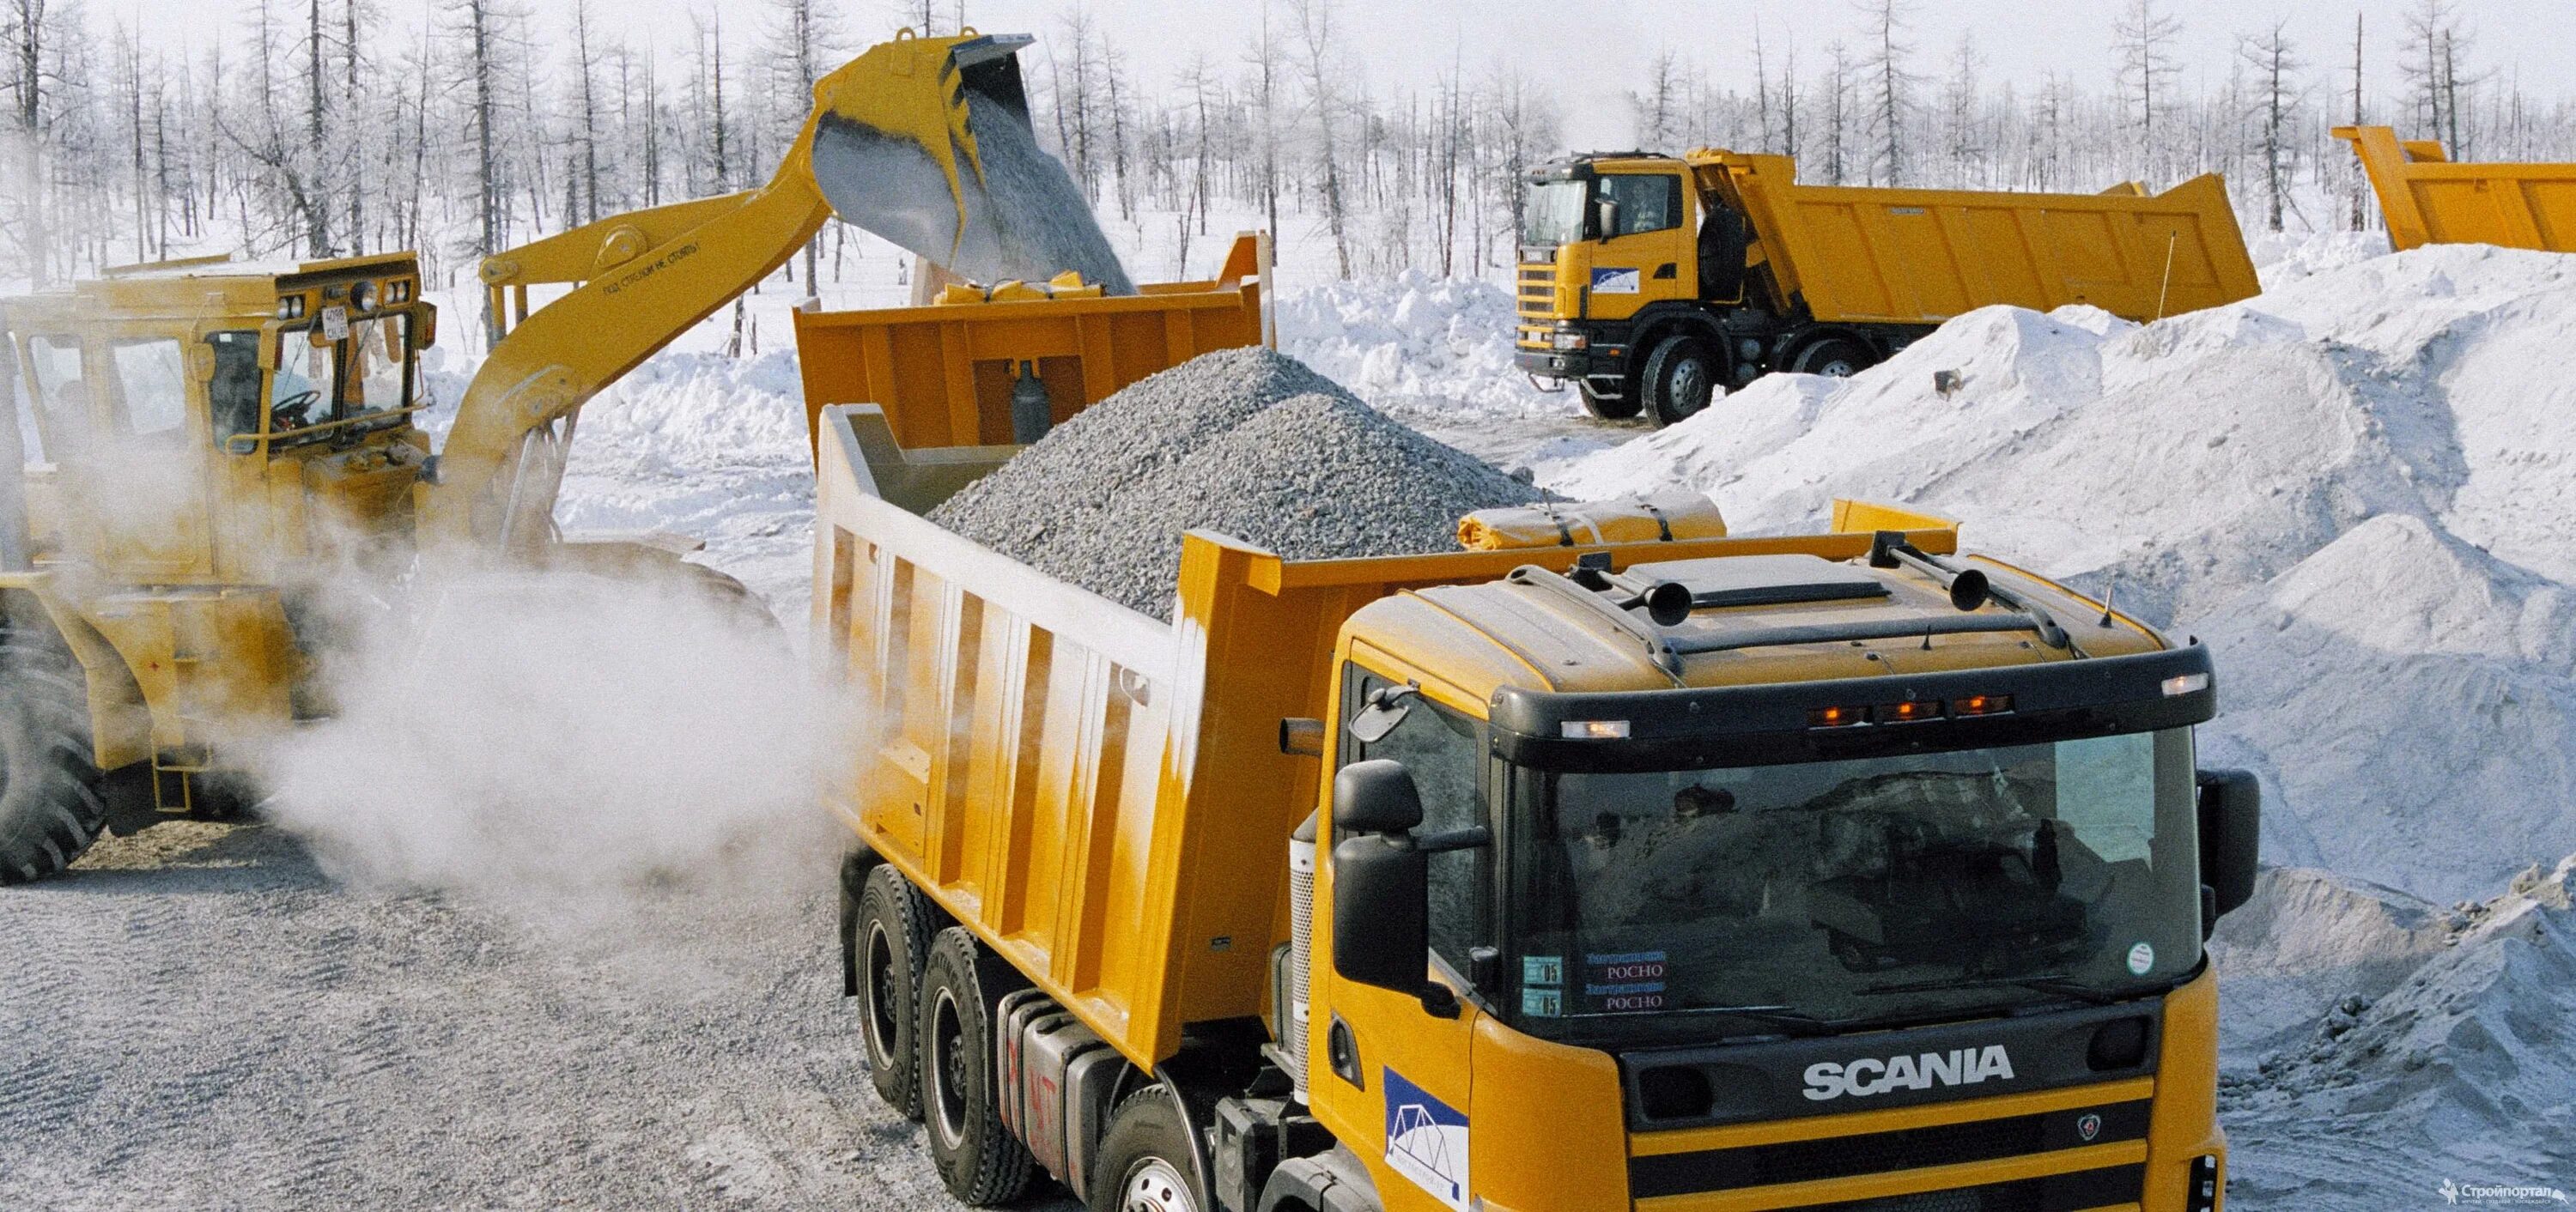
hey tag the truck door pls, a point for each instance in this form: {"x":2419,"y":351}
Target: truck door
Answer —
{"x":1394,"y":1085}
{"x":1646,"y":253}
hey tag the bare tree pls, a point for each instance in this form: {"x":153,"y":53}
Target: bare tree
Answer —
{"x":1892,"y":87}
{"x":2273,"y":59}
{"x":1657,"y":109}
{"x":2144,"y":38}
{"x":1317,"y":55}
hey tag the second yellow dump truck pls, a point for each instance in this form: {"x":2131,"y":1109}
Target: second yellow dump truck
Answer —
{"x":1819,"y":871}
{"x":1656,"y":283}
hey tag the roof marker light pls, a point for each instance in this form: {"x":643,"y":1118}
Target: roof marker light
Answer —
{"x":1903,"y":713}
{"x":1981,"y":704}
{"x":1837,"y":717}
{"x":1594,"y":730}
{"x":2189,"y":683}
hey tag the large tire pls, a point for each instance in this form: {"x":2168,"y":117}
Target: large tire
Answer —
{"x":1607,"y":408}
{"x":50,"y":807}
{"x":891,"y":939}
{"x":978,"y":1159}
{"x":1144,"y":1162}
{"x":1834,"y":358}
{"x":1680,"y":377}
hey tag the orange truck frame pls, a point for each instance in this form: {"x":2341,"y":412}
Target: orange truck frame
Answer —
{"x":2427,"y":199}
{"x":1310,"y":900}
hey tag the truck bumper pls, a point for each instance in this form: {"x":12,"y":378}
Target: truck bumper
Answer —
{"x":1604,"y":363}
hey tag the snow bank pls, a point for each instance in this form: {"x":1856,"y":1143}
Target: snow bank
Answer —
{"x":2355,"y":486}
{"x":2399,"y":1034}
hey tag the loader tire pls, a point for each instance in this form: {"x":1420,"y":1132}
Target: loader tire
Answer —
{"x":892,"y":946}
{"x":1145,"y":1162}
{"x":50,"y":803}
{"x":978,"y":1159}
{"x":1608,"y":408}
{"x":1680,"y":377}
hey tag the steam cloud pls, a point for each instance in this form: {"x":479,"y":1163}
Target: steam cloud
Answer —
{"x":558,"y":740}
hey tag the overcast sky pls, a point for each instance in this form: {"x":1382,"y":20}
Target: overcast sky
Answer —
{"x":1591,"y":51}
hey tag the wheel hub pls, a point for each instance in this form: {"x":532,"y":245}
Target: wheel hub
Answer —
{"x":882,"y":994}
{"x":1154,"y":1186}
{"x":947,"y":1065}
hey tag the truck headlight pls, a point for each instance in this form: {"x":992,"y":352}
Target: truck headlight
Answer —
{"x":1570,"y":340}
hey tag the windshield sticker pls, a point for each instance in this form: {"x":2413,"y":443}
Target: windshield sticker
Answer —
{"x":2141,"y":958}
{"x":1426,"y":1140}
{"x":1625,"y":982}
{"x":1543,"y":985}
{"x":1616,"y":281}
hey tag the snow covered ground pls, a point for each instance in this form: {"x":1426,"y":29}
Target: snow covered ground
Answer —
{"x":2358,"y":488}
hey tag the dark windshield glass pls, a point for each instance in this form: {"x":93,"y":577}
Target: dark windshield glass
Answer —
{"x":1553,"y":213}
{"x":1864,"y":890}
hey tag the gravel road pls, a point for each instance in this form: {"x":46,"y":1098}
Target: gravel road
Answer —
{"x":198,"y":1017}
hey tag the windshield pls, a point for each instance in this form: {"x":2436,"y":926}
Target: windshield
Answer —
{"x":1869,"y":890}
{"x":1554,"y":213}
{"x":368,"y":372}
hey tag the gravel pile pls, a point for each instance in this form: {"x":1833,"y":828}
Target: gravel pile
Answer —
{"x":1245,"y":441}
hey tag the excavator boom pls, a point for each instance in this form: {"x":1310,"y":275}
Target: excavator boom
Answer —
{"x":925,"y":141}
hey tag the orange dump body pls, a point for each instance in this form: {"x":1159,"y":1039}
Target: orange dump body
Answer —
{"x":944,"y":373}
{"x":2427,"y":199}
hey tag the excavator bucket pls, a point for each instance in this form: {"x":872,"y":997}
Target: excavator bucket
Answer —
{"x":927,"y":142}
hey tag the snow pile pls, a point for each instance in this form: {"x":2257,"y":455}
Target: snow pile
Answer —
{"x":1416,"y":344}
{"x":2410,"y":1032}
{"x":2306,"y":478}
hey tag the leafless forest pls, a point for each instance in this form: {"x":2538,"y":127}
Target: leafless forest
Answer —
{"x":457,"y":128}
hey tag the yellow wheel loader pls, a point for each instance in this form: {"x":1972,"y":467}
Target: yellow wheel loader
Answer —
{"x":209,"y":445}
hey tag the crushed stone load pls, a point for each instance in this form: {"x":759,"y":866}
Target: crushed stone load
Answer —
{"x":1248,"y":442}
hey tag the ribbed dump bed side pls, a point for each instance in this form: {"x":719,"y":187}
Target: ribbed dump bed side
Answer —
{"x":2427,"y":199}
{"x":1921,"y":256}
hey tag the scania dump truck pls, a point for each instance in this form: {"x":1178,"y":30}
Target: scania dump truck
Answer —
{"x":1821,"y":871}
{"x":2428,"y":199}
{"x":1656,"y":283}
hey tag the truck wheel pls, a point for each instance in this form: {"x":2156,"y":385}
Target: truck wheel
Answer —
{"x":1607,"y":408}
{"x":979,"y":1160}
{"x":1144,"y":1161}
{"x":1680,"y":378}
{"x":892,"y":945}
{"x":50,"y":809}
{"x":1834,"y":358}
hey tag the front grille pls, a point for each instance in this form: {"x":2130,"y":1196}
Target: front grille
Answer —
{"x":1537,"y":291}
{"x":2106,"y":1187}
{"x":1881,"y":1152}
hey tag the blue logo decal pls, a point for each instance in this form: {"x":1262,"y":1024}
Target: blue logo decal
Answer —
{"x":1616,"y":281}
{"x":1426,"y":1140}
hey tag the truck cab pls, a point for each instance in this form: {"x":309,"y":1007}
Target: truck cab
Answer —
{"x":1768,"y":907}
{"x":1624,"y":261}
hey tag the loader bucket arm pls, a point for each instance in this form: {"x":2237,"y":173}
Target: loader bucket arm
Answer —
{"x":896,"y":144}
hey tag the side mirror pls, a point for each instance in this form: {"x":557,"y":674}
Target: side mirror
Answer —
{"x":2231,"y":826}
{"x":425,"y":328}
{"x":1382,"y":884}
{"x":1605,"y":218}
{"x":1375,"y":796}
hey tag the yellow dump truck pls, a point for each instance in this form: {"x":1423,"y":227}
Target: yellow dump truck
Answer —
{"x":1655,"y":284}
{"x":2427,"y":199}
{"x":1811,"y":871}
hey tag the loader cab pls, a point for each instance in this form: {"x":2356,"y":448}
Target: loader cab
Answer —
{"x":198,"y":422}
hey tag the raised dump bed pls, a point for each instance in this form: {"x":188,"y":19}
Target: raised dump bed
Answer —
{"x":945,"y":373}
{"x":1912,"y":256}
{"x":1100,"y":796}
{"x":2427,"y":199}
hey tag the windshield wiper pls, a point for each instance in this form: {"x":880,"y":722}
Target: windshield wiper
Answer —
{"x":2056,"y":982}
{"x":1779,"y":1016}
